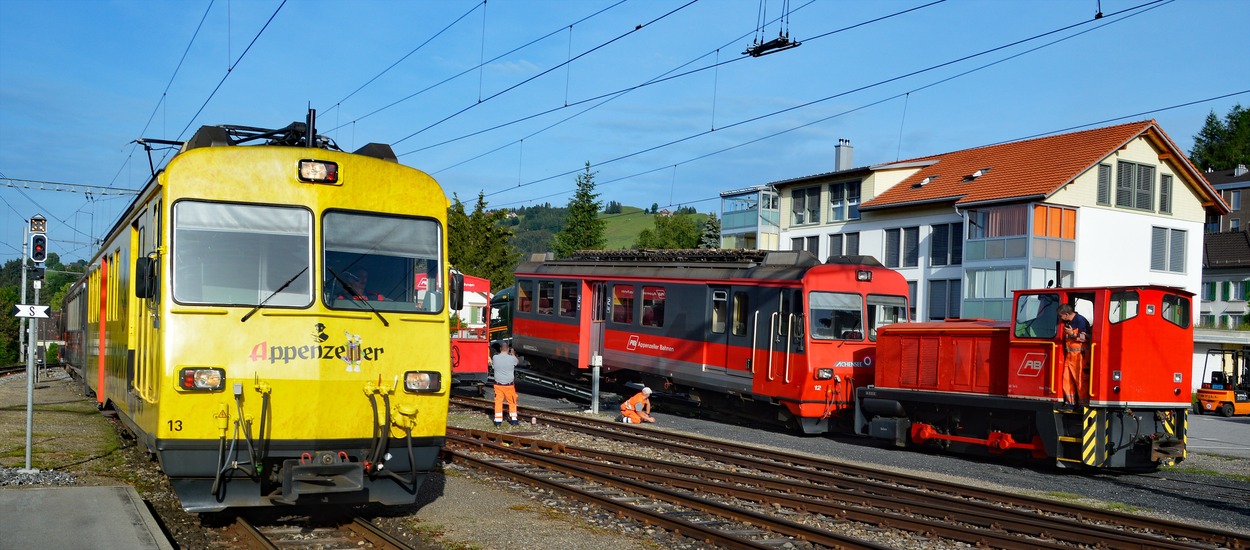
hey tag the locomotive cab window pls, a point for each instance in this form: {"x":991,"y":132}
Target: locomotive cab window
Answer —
{"x":885,"y":310}
{"x":1124,"y":306}
{"x":1176,"y":310}
{"x":241,"y":255}
{"x":384,"y":263}
{"x":836,"y":316}
{"x":1037,"y":316}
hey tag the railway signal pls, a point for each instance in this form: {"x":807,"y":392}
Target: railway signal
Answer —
{"x":38,"y":247}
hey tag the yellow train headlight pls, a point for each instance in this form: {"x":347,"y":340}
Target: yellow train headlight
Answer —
{"x":423,"y":381}
{"x":202,"y":379}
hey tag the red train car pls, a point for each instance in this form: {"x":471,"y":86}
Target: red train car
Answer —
{"x":987,"y":387}
{"x":776,"y":333}
{"x":470,"y":335}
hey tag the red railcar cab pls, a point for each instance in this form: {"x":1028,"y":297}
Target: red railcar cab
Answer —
{"x":777,"y":328}
{"x":997,"y":385}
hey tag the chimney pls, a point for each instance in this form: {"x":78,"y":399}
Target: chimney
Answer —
{"x":1240,"y":170}
{"x":842,"y":155}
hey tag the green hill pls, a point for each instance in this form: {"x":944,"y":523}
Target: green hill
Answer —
{"x":534,"y":227}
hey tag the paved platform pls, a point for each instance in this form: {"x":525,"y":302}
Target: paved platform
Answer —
{"x":72,"y":518}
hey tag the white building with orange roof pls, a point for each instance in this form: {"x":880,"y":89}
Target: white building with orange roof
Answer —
{"x":1120,"y":205}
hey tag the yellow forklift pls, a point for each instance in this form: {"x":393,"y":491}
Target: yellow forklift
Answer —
{"x":1226,"y":384}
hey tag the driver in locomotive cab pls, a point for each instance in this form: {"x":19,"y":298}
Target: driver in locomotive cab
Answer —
{"x":1075,"y":334}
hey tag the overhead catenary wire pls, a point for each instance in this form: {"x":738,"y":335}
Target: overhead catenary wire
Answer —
{"x":1105,"y":21}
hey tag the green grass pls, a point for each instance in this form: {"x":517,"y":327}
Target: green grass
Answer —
{"x":622,"y":229}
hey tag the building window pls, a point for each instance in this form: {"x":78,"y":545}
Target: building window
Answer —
{"x":810,"y":244}
{"x":946,"y":244}
{"x":1134,"y":186}
{"x":1165,"y":194}
{"x":1234,"y":224}
{"x":844,"y":244}
{"x":805,"y":205}
{"x":844,"y":201}
{"x":1104,"y":184}
{"x":944,"y":299}
{"x":1167,"y":249}
{"x":902,"y":247}
{"x":989,"y":292}
{"x":1208,"y":291}
{"x":1004,"y":221}
{"x":1234,"y":199}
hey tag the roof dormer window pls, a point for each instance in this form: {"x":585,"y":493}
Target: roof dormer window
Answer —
{"x":923,"y":182}
{"x":973,"y":176}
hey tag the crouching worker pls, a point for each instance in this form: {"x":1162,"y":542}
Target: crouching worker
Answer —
{"x":638,"y":408}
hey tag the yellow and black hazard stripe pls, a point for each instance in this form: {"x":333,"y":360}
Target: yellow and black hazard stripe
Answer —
{"x":1093,"y":437}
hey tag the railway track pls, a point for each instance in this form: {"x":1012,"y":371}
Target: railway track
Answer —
{"x":304,"y":532}
{"x":814,"y":491}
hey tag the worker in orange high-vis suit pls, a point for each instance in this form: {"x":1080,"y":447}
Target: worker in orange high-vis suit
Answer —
{"x":638,"y":408}
{"x":504,"y":365}
{"x":1075,"y":333}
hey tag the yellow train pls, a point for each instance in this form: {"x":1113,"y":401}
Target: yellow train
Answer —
{"x":269,"y":318}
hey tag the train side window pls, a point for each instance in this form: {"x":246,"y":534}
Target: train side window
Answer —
{"x":1124,"y":306}
{"x":623,"y":304}
{"x":742,"y":308}
{"x":652,"y":306}
{"x":1037,"y":316}
{"x":568,"y":299}
{"x":720,"y":310}
{"x":525,"y":296}
{"x":546,"y":297}
{"x":1176,"y":310}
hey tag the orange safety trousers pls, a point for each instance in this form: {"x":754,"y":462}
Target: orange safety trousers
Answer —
{"x":630,"y":408}
{"x":1071,"y":375}
{"x":505,"y":393}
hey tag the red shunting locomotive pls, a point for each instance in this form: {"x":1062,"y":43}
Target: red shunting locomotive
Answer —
{"x":994,"y":388}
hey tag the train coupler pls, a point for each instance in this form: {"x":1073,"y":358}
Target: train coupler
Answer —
{"x":1167,"y":449}
{"x":328,"y":473}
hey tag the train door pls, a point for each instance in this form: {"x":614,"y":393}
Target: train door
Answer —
{"x":716,"y":337}
{"x":143,"y":355}
{"x":742,"y":321}
{"x":599,"y":312}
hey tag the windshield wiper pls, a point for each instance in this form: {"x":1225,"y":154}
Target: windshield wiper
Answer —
{"x":272,"y":294}
{"x":352,"y":293}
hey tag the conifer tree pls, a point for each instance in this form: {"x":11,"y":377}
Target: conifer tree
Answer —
{"x":479,"y":243}
{"x":711,"y":233}
{"x":583,"y":229}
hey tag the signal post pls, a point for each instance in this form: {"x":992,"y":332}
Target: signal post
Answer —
{"x":38,"y":251}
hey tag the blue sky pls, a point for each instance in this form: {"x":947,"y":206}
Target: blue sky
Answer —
{"x":80,"y":80}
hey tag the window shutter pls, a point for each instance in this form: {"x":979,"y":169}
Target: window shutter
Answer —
{"x":954,"y":298}
{"x":1176,"y":252}
{"x":852,"y":244}
{"x":1104,"y":184}
{"x":1228,"y":290}
{"x":938,"y":245}
{"x":1145,"y":187}
{"x":1124,"y":184}
{"x":937,"y":300}
{"x":1158,"y":248}
{"x":891,"y":247}
{"x":1165,"y":194}
{"x":835,"y":245}
{"x":911,"y":246}
{"x":957,"y":244}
